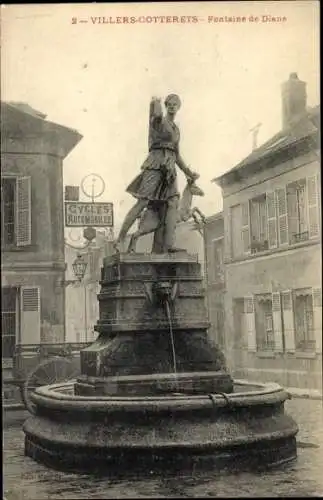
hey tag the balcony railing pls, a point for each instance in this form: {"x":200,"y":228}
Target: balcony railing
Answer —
{"x":264,"y":345}
{"x":298,"y":237}
{"x":305,"y":345}
{"x":259,"y":246}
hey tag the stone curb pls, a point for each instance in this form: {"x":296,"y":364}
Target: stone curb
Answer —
{"x":13,"y":406}
{"x":304,"y":393}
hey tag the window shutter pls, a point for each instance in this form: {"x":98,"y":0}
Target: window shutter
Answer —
{"x":227,"y":234}
{"x":250,"y":324}
{"x":277,"y":321}
{"x":23,"y":211}
{"x":272,"y":219}
{"x":293,"y":224}
{"x":317,"y":310}
{"x":313,"y":206}
{"x":282,"y":216}
{"x":30,"y":315}
{"x":254,"y":221}
{"x":72,"y":193}
{"x":288,"y":319}
{"x":245,"y":227}
{"x":235,"y":249}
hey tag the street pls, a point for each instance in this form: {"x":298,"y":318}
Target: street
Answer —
{"x":25,"y":479}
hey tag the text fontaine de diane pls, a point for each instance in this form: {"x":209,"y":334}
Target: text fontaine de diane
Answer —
{"x":243,"y":19}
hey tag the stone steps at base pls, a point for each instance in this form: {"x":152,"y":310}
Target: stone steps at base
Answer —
{"x":11,"y":397}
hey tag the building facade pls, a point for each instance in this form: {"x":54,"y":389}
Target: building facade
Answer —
{"x":272,"y":227}
{"x":215,"y":283}
{"x":32,"y":236}
{"x":82,"y":306}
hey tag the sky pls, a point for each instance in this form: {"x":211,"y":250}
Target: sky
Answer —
{"x":99,"y":78}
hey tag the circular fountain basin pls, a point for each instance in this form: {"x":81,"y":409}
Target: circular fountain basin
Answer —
{"x":245,"y":428}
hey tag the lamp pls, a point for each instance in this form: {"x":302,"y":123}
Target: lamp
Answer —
{"x":79,"y":267}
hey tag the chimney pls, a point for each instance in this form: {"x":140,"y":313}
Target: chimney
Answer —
{"x":293,"y":100}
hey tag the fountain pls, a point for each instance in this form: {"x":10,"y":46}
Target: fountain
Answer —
{"x":153,"y":390}
{"x":153,"y":387}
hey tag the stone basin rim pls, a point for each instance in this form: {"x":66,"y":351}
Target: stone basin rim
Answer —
{"x":51,"y":396}
{"x":53,"y":391}
{"x":163,"y":377}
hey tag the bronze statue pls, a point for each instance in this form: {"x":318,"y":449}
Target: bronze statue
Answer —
{"x":152,"y":217}
{"x":156,"y":186}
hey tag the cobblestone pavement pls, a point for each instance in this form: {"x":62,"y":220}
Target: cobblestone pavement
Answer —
{"x":24,"y":479}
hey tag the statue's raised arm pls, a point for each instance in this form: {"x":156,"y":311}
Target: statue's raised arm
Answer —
{"x":155,"y":109}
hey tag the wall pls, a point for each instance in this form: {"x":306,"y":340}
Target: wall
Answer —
{"x":42,"y":263}
{"x":46,"y":201}
{"x":292,"y":267}
{"x":36,"y":148}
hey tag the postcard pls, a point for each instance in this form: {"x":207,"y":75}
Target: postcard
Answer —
{"x":161,"y":249}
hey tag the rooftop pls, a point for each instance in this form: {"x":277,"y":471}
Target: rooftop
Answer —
{"x":21,"y":121}
{"x":306,"y":126}
{"x":215,"y":217}
{"x":23,"y":106}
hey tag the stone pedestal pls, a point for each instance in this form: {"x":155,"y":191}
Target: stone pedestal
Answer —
{"x":138,"y":338}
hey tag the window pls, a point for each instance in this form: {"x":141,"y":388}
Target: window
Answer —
{"x":8,"y":210}
{"x":313,"y":206}
{"x":297,"y":212}
{"x":264,"y":322}
{"x":285,"y":216}
{"x":303,"y":209}
{"x":258,"y":224}
{"x":8,"y":320}
{"x":16,"y":211}
{"x":304,"y":319}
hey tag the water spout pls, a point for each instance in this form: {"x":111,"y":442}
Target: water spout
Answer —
{"x":164,"y":293}
{"x":171,"y":339}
